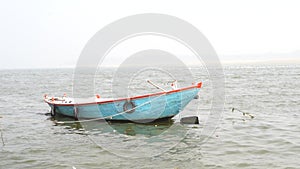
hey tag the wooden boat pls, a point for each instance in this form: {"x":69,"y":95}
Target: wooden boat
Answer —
{"x":161,"y":105}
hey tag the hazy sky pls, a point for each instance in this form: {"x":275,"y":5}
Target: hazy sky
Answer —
{"x":37,"y":34}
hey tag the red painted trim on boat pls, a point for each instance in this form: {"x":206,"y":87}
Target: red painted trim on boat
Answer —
{"x":199,"y":85}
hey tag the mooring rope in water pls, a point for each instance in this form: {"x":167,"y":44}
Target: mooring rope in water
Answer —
{"x":103,"y":118}
{"x":2,"y":137}
{"x":244,"y":113}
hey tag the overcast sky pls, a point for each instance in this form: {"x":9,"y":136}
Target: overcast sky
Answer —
{"x":52,"y":33}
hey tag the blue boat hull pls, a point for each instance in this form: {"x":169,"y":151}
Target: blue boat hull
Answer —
{"x":150,"y":107}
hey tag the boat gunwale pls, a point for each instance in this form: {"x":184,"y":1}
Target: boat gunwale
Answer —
{"x":198,"y":85}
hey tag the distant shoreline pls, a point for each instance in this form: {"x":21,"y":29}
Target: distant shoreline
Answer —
{"x":267,"y":62}
{"x":224,"y":65}
{"x":275,"y":61}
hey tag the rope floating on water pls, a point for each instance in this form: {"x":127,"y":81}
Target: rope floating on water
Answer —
{"x":2,"y":137}
{"x":244,"y":113}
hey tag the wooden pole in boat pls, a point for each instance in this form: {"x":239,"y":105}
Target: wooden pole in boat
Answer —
{"x":157,"y":87}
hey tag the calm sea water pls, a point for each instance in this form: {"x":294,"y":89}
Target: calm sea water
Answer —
{"x":270,"y":140}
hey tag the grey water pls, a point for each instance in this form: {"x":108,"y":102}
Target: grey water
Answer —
{"x":31,"y":139}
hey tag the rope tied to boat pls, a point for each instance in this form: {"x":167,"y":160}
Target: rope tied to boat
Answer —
{"x":111,"y":116}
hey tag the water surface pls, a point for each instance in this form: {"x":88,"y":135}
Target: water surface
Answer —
{"x":270,"y":140}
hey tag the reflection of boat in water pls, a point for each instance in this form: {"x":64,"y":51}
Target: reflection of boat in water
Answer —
{"x":97,"y":127}
{"x":147,"y":108}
